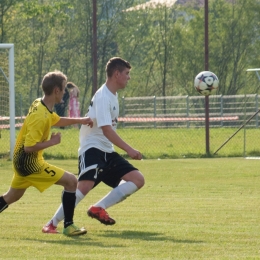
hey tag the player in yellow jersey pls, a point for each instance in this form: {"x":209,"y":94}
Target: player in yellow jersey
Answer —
{"x":30,"y":168}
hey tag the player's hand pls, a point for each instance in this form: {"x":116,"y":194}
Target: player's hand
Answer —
{"x":134,"y":154}
{"x":87,"y":121}
{"x":55,"y":138}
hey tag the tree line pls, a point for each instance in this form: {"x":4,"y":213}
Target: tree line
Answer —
{"x":165,"y":45}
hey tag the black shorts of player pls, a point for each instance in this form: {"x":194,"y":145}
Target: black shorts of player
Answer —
{"x":99,"y":166}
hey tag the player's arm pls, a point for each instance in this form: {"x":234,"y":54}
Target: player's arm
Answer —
{"x":114,"y":138}
{"x":55,"y":139}
{"x":65,"y":121}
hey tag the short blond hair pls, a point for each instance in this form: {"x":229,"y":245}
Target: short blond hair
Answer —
{"x":51,"y":80}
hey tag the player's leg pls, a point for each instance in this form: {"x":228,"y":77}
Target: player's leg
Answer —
{"x":55,"y":175}
{"x":59,"y":214}
{"x":17,"y":188}
{"x":130,"y":183}
{"x":11,"y":196}
{"x":118,"y":194}
{"x":88,"y":166}
{"x":51,"y":226}
{"x":135,"y":177}
{"x":69,"y":182}
{"x":125,"y":179}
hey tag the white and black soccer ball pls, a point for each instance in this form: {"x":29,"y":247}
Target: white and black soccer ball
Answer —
{"x":206,"y":83}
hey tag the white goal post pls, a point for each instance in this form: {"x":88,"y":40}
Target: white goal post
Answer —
{"x":10,"y":80}
{"x":256,"y":71}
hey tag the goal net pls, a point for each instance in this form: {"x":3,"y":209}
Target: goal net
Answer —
{"x":7,"y":101}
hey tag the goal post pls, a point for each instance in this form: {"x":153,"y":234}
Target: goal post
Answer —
{"x":256,"y":71}
{"x":247,"y":121}
{"x":10,"y":79}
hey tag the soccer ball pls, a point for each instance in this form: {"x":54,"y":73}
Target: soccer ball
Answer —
{"x":206,"y":83}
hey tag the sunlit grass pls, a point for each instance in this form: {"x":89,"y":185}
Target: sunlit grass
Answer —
{"x":162,"y":143}
{"x":188,"y":209}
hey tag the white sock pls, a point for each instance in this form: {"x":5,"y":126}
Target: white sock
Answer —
{"x":59,"y":214}
{"x":121,"y":192}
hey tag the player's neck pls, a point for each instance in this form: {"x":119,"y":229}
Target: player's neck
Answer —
{"x":111,"y":86}
{"x":49,"y":102}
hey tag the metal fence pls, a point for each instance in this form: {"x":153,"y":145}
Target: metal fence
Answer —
{"x":187,"y":111}
{"x":171,"y":127}
{"x":182,"y":118}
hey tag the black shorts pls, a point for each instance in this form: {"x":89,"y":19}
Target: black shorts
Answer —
{"x":96,"y":165}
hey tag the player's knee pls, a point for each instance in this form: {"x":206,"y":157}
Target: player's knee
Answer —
{"x":71,"y":182}
{"x":141,"y":181}
{"x":136,"y":177}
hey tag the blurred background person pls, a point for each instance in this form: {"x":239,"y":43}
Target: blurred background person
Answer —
{"x":61,"y":107}
{"x":74,"y":110}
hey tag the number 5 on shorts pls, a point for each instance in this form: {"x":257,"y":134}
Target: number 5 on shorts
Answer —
{"x":51,"y":171}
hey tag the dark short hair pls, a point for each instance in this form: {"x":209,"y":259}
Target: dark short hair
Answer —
{"x":116,"y":63}
{"x":51,"y":80}
{"x":70,"y":85}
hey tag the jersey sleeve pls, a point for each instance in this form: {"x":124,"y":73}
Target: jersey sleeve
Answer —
{"x":103,"y":114}
{"x":55,"y":118}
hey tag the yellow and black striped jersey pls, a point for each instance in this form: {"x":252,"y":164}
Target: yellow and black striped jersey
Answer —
{"x":35,"y":129}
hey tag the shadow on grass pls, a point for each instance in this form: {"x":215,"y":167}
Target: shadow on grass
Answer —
{"x":148,"y":236}
{"x":62,"y":240}
{"x":131,"y":235}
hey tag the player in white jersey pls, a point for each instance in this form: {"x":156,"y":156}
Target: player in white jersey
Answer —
{"x":98,"y":161}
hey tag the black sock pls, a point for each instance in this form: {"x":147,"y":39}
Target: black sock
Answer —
{"x":68,"y":202}
{"x":3,"y":204}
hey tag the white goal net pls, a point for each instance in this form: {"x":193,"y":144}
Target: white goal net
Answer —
{"x":7,"y":101}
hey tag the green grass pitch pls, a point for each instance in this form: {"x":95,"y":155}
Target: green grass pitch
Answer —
{"x":188,"y":209}
{"x":159,"y":143}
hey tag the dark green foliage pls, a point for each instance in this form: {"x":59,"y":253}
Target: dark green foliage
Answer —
{"x":165,"y":45}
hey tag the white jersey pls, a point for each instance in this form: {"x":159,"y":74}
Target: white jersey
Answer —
{"x":103,"y":110}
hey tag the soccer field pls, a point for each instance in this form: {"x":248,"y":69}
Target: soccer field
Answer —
{"x":188,"y":209}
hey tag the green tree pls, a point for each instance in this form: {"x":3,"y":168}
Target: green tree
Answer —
{"x":7,"y":12}
{"x":234,"y":37}
{"x":165,"y":45}
{"x":37,"y":43}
